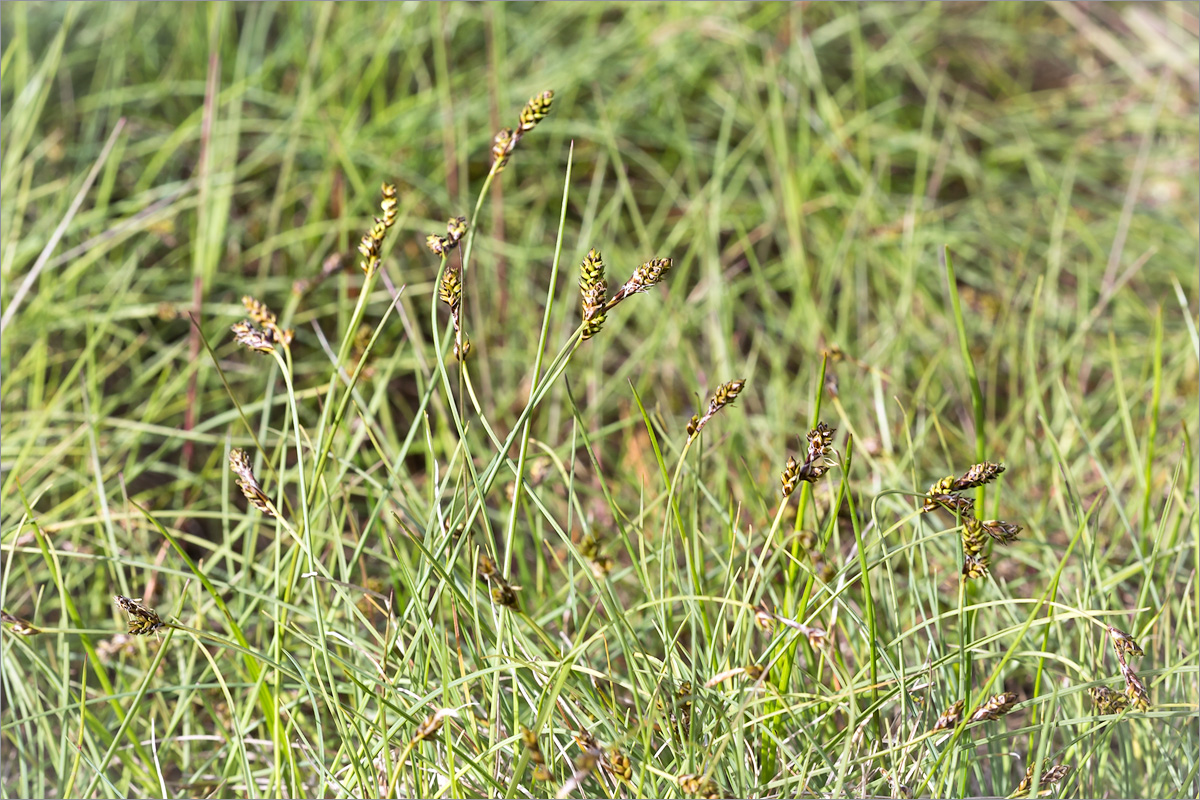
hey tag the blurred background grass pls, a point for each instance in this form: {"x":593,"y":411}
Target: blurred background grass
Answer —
{"x":802,"y":163}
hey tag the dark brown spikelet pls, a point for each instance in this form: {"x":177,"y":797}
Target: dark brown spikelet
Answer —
{"x":816,"y":463}
{"x":245,"y":334}
{"x":239,"y":464}
{"x":1123,"y":643}
{"x":755,"y":671}
{"x":266,"y":319}
{"x":593,"y":293}
{"x":647,"y":275}
{"x":978,"y":475}
{"x":1135,"y":689}
{"x":1001,"y":531}
{"x":995,"y":708}
{"x":1107,"y":701}
{"x":1050,"y":777}
{"x":950,"y":717}
{"x":975,"y":567}
{"x":142,"y":620}
{"x":726,"y":394}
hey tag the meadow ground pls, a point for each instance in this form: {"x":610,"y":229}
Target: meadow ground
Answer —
{"x":953,"y":234}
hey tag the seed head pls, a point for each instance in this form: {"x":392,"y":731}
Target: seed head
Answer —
{"x":502,"y":147}
{"x":486,"y":568}
{"x":593,"y":292}
{"x":726,"y":394}
{"x":995,"y":708}
{"x":432,"y":724}
{"x":1050,"y":777}
{"x":239,"y":464}
{"x":1123,"y":643}
{"x":949,"y":717}
{"x":142,"y":620}
{"x":647,"y":275}
{"x":370,"y":243}
{"x":21,"y":627}
{"x":247,"y":335}
{"x":978,"y":475}
{"x":450,"y":290}
{"x":504,"y":595}
{"x":1135,"y":689}
{"x":388,"y":204}
{"x":617,"y":764}
{"x":1107,"y":701}
{"x":530,"y":740}
{"x":975,"y":567}
{"x":698,"y":786}
{"x":1002,"y":532}
{"x":534,"y":111}
{"x":764,"y":619}
{"x":265,"y":318}
{"x":462,"y":349}
{"x":817,"y":461}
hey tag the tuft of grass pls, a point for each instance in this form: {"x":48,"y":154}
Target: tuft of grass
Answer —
{"x":441,"y":525}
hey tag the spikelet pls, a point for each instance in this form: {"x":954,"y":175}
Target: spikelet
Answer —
{"x":534,"y":112}
{"x":977,"y":475}
{"x":644,"y":277}
{"x":247,"y":335}
{"x":1123,"y":643}
{"x":698,"y":785}
{"x":239,"y":464}
{"x":1107,"y":701}
{"x":21,"y":627}
{"x":502,"y":146}
{"x":266,"y":319}
{"x":816,"y":463}
{"x":142,"y":620}
{"x":505,"y":595}
{"x":369,"y":245}
{"x":1050,"y":777}
{"x":530,"y":740}
{"x":617,"y":764}
{"x":764,"y":619}
{"x":593,"y":292}
{"x":1002,"y":532}
{"x":456,"y":227}
{"x":1135,"y":689}
{"x":995,"y":707}
{"x":432,"y":724}
{"x":506,"y":139}
{"x":950,"y":717}
{"x":486,"y":568}
{"x":450,"y":289}
{"x":726,"y":394}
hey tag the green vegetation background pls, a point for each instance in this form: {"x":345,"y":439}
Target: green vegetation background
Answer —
{"x":804,"y":165}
